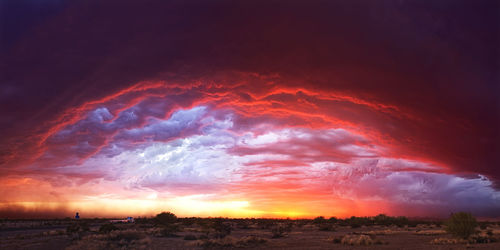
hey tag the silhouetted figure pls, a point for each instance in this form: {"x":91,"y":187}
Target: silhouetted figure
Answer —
{"x":77,"y":216}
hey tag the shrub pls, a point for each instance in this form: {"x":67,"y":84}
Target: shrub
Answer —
{"x":165,"y":218}
{"x":243,"y":224}
{"x":77,"y":227}
{"x":430,"y":232}
{"x":126,"y":235}
{"x":190,"y":237}
{"x":221,"y":229}
{"x":228,"y":242}
{"x":169,"y":230}
{"x":265,"y":223}
{"x":327,"y":227}
{"x":333,"y":220}
{"x":447,"y":241}
{"x":335,"y":239}
{"x":357,"y":240}
{"x":483,"y":237}
{"x":461,"y":225}
{"x":356,"y":222}
{"x":127,"y":239}
{"x":106,"y":228}
{"x":251,"y":240}
{"x":380,"y":242}
{"x":319,"y":220}
{"x":167,"y":221}
{"x":279,"y":229}
{"x":187,"y":221}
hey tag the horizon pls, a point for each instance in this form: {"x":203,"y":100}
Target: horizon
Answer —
{"x":250,"y":109}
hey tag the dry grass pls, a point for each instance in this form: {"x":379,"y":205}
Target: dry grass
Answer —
{"x":448,"y":241}
{"x":130,"y":239}
{"x":431,"y":232}
{"x":53,"y":232}
{"x":357,"y":240}
{"x":384,"y":232}
{"x":154,"y":231}
{"x":229,"y":242}
{"x":480,"y":238}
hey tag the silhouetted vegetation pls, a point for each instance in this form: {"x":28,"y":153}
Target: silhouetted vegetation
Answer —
{"x":167,"y":221}
{"x":165,"y":218}
{"x":319,"y":220}
{"x":106,"y":228}
{"x":461,"y":225}
{"x":279,"y":230}
{"x":222,"y":228}
{"x":229,"y":232}
{"x":190,"y":237}
{"x":80,"y":226}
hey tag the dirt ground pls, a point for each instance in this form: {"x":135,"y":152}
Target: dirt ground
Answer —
{"x":56,"y":235}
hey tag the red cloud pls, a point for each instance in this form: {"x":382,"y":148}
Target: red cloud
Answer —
{"x":257,"y":100}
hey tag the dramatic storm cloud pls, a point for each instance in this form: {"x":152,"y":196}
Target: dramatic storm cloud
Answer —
{"x":263,"y":108}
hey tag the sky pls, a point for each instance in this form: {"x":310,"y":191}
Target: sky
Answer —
{"x":249,"y":108}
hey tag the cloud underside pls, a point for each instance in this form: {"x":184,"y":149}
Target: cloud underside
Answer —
{"x":262,"y":149}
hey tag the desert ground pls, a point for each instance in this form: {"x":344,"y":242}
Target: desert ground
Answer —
{"x":217,"y":233}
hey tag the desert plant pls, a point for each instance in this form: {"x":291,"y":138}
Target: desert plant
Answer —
{"x":229,"y":242}
{"x":243,"y":224}
{"x":77,"y":227}
{"x":106,"y":228}
{"x":165,"y":218}
{"x":190,"y":237}
{"x":447,"y":241}
{"x":221,"y":228}
{"x":265,"y":223}
{"x":280,"y":229}
{"x":319,"y":220}
{"x":461,"y":225}
{"x":333,"y":220}
{"x":126,"y":239}
{"x":335,"y":239}
{"x":327,"y":227}
{"x":167,"y":221}
{"x":430,"y":232}
{"x":358,"y":240}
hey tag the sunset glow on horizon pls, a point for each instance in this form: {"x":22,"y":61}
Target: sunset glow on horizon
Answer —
{"x":248,"y":130}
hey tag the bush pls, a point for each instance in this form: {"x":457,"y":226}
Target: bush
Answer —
{"x":333,"y":220}
{"x":461,"y":225}
{"x":77,"y":227}
{"x":229,"y":242}
{"x":243,"y":224}
{"x":319,"y":220}
{"x":165,"y":218}
{"x":190,"y":237}
{"x":335,"y":239}
{"x":126,"y":235}
{"x":126,"y":239}
{"x":356,"y":222}
{"x":358,"y":240}
{"x":327,"y":227}
{"x":221,"y":229}
{"x":169,"y":231}
{"x":279,"y":230}
{"x":447,"y":241}
{"x":167,"y":221}
{"x":106,"y":228}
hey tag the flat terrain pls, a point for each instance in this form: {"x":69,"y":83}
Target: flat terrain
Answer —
{"x":248,"y":234}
